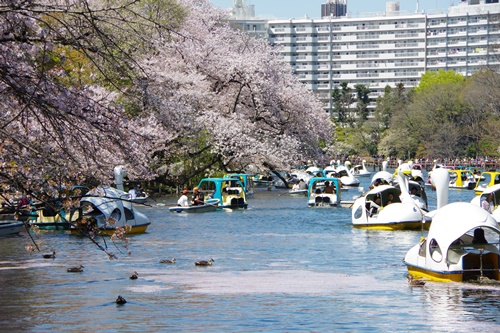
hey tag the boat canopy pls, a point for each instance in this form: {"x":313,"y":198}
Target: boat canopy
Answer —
{"x":383,"y":192}
{"x":105,"y":200}
{"x":456,"y":219}
{"x":383,"y":175}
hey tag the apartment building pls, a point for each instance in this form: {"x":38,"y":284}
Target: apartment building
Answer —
{"x":387,"y":48}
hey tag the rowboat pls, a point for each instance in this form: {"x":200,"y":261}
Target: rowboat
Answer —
{"x":298,"y":193}
{"x":211,"y":205}
{"x":10,"y":226}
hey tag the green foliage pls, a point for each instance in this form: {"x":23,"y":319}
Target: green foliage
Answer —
{"x":446,"y":116}
{"x":430,"y":79}
{"x":362,"y":99}
{"x":342,"y":99}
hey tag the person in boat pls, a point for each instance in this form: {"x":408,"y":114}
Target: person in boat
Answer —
{"x":479,"y":237}
{"x":183,"y":200}
{"x":375,"y":184}
{"x":488,"y":204}
{"x":414,"y":192}
{"x":132,"y":194}
{"x":198,"y":198}
{"x":390,"y":198}
{"x":295,"y":186}
{"x":25,"y":201}
{"x":139,"y":191}
{"x":328,"y":188}
{"x":375,"y":206}
{"x":302,"y":184}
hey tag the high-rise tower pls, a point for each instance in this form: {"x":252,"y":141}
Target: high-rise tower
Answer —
{"x":334,"y":8}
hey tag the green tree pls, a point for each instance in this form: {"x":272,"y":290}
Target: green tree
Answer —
{"x":362,"y":101}
{"x":430,"y":79}
{"x":431,"y":123}
{"x":342,"y":100}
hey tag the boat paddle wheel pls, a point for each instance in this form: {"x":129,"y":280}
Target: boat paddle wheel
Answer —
{"x":322,"y":201}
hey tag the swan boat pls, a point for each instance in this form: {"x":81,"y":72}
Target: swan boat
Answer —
{"x":108,"y":208}
{"x":345,"y":175}
{"x":229,"y":191}
{"x":450,"y":252}
{"x":397,"y":215}
{"x":316,"y":196}
{"x":210,"y":205}
{"x":495,"y":192}
{"x":120,"y":173}
{"x":397,"y":210}
{"x":361,"y":170}
{"x":487,"y":179}
{"x":52,"y":215}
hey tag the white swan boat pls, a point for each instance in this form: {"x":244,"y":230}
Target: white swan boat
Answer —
{"x":451,"y":252}
{"x":139,"y":197}
{"x":345,"y":175}
{"x":387,"y":207}
{"x":361,"y":170}
{"x":107,"y":208}
{"x":495,"y":193}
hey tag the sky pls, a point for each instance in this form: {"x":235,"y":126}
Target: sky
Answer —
{"x":285,"y":9}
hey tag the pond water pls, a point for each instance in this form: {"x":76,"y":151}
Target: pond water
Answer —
{"x":279,"y":267}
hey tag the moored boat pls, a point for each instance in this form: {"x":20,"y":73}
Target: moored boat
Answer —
{"x":210,"y":205}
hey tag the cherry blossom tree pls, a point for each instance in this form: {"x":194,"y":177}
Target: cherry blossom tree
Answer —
{"x":87,"y":85}
{"x":64,"y":66}
{"x":217,"y":89}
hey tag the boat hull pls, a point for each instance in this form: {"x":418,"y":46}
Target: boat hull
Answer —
{"x":211,"y":205}
{"x":108,"y":231}
{"x":298,"y":193}
{"x":10,"y":227}
{"x":422,"y":273}
{"x":396,"y":216}
{"x":410,"y":225}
